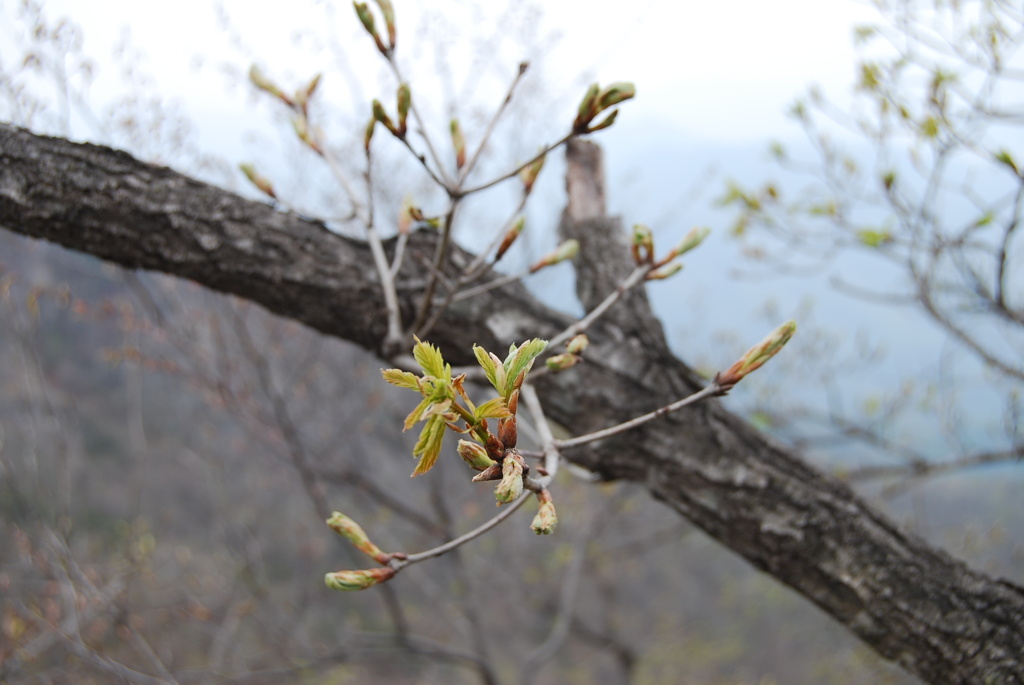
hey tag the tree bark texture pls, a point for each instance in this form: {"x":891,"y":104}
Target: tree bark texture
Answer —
{"x":912,"y":603}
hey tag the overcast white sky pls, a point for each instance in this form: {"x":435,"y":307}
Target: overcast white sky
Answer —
{"x":720,"y":70}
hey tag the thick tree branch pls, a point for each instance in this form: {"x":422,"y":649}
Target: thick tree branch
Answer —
{"x":910,"y":602}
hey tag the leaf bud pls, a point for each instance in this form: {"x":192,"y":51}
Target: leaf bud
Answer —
{"x":382,"y":116}
{"x":404,"y":98}
{"x":510,"y":237}
{"x":475,"y":455}
{"x":388,"y":10}
{"x":546,"y":519}
{"x":368,"y":135}
{"x":492,"y":472}
{"x":260,"y":80}
{"x":561,"y":362}
{"x":260,"y":182}
{"x":511,"y":485}
{"x":353,"y":532}
{"x":567,"y":250}
{"x":642,"y":244}
{"x":587,"y":109}
{"x":756,"y":356}
{"x":665,"y":272}
{"x":691,"y":240}
{"x":577,"y":344}
{"x":530,"y":172}
{"x":459,"y":143}
{"x":605,"y":123}
{"x":301,"y":126}
{"x":613,"y":94}
{"x":347,"y":581}
{"x":366,"y":18}
{"x":508,"y":432}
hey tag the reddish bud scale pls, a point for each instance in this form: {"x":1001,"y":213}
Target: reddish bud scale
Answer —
{"x":508,"y":433}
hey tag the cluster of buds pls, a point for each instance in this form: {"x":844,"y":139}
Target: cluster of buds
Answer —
{"x":567,"y":250}
{"x":571,"y":357}
{"x":363,"y":578}
{"x":756,"y":356}
{"x":403,"y":100}
{"x":598,"y":100}
{"x":641,"y":246}
{"x":368,"y":22}
{"x":299,"y":104}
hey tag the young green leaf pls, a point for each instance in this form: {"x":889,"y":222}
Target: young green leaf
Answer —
{"x":428,"y":447}
{"x":519,"y":361}
{"x":488,"y":365}
{"x":403,"y":379}
{"x":417,"y":414}
{"x":430,"y":360}
{"x":493,"y":409}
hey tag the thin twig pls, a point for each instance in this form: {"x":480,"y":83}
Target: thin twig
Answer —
{"x":547,"y":440}
{"x":545,"y":150}
{"x":462,"y":539}
{"x":637,"y":276}
{"x":711,"y":390}
{"x":493,"y":123}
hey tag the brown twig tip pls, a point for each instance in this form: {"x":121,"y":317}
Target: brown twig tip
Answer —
{"x":756,"y":356}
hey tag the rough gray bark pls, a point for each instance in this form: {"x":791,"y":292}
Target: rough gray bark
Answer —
{"x":910,"y":602}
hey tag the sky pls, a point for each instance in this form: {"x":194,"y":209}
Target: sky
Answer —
{"x":716,"y":70}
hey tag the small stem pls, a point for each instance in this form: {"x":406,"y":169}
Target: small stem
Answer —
{"x":632,"y":280}
{"x":547,"y":440}
{"x":710,"y":390}
{"x":443,"y":180}
{"x":514,"y":172}
{"x":510,"y":509}
{"x":494,"y":122}
{"x":439,"y":258}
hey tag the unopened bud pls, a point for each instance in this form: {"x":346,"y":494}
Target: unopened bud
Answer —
{"x":561,"y":362}
{"x":605,"y":123}
{"x":404,"y":99}
{"x":492,"y":472}
{"x":546,"y":519}
{"x":530,"y":172}
{"x":510,"y":237}
{"x":382,"y":116}
{"x":508,"y":432}
{"x":475,"y":455}
{"x":459,"y":143}
{"x":303,"y":94}
{"x":388,"y":10}
{"x":260,"y":182}
{"x":567,"y":250}
{"x":511,"y":485}
{"x":756,"y":356}
{"x":366,"y":18}
{"x":301,"y":126}
{"x":577,"y":344}
{"x":347,"y":581}
{"x":368,"y":135}
{"x":615,"y":93}
{"x":260,"y":80}
{"x":353,"y":532}
{"x":587,"y":109}
{"x":664,"y":272}
{"x":642,"y":244}
{"x":691,"y":240}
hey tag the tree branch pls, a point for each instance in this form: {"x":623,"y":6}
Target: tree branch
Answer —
{"x":909,"y":601}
